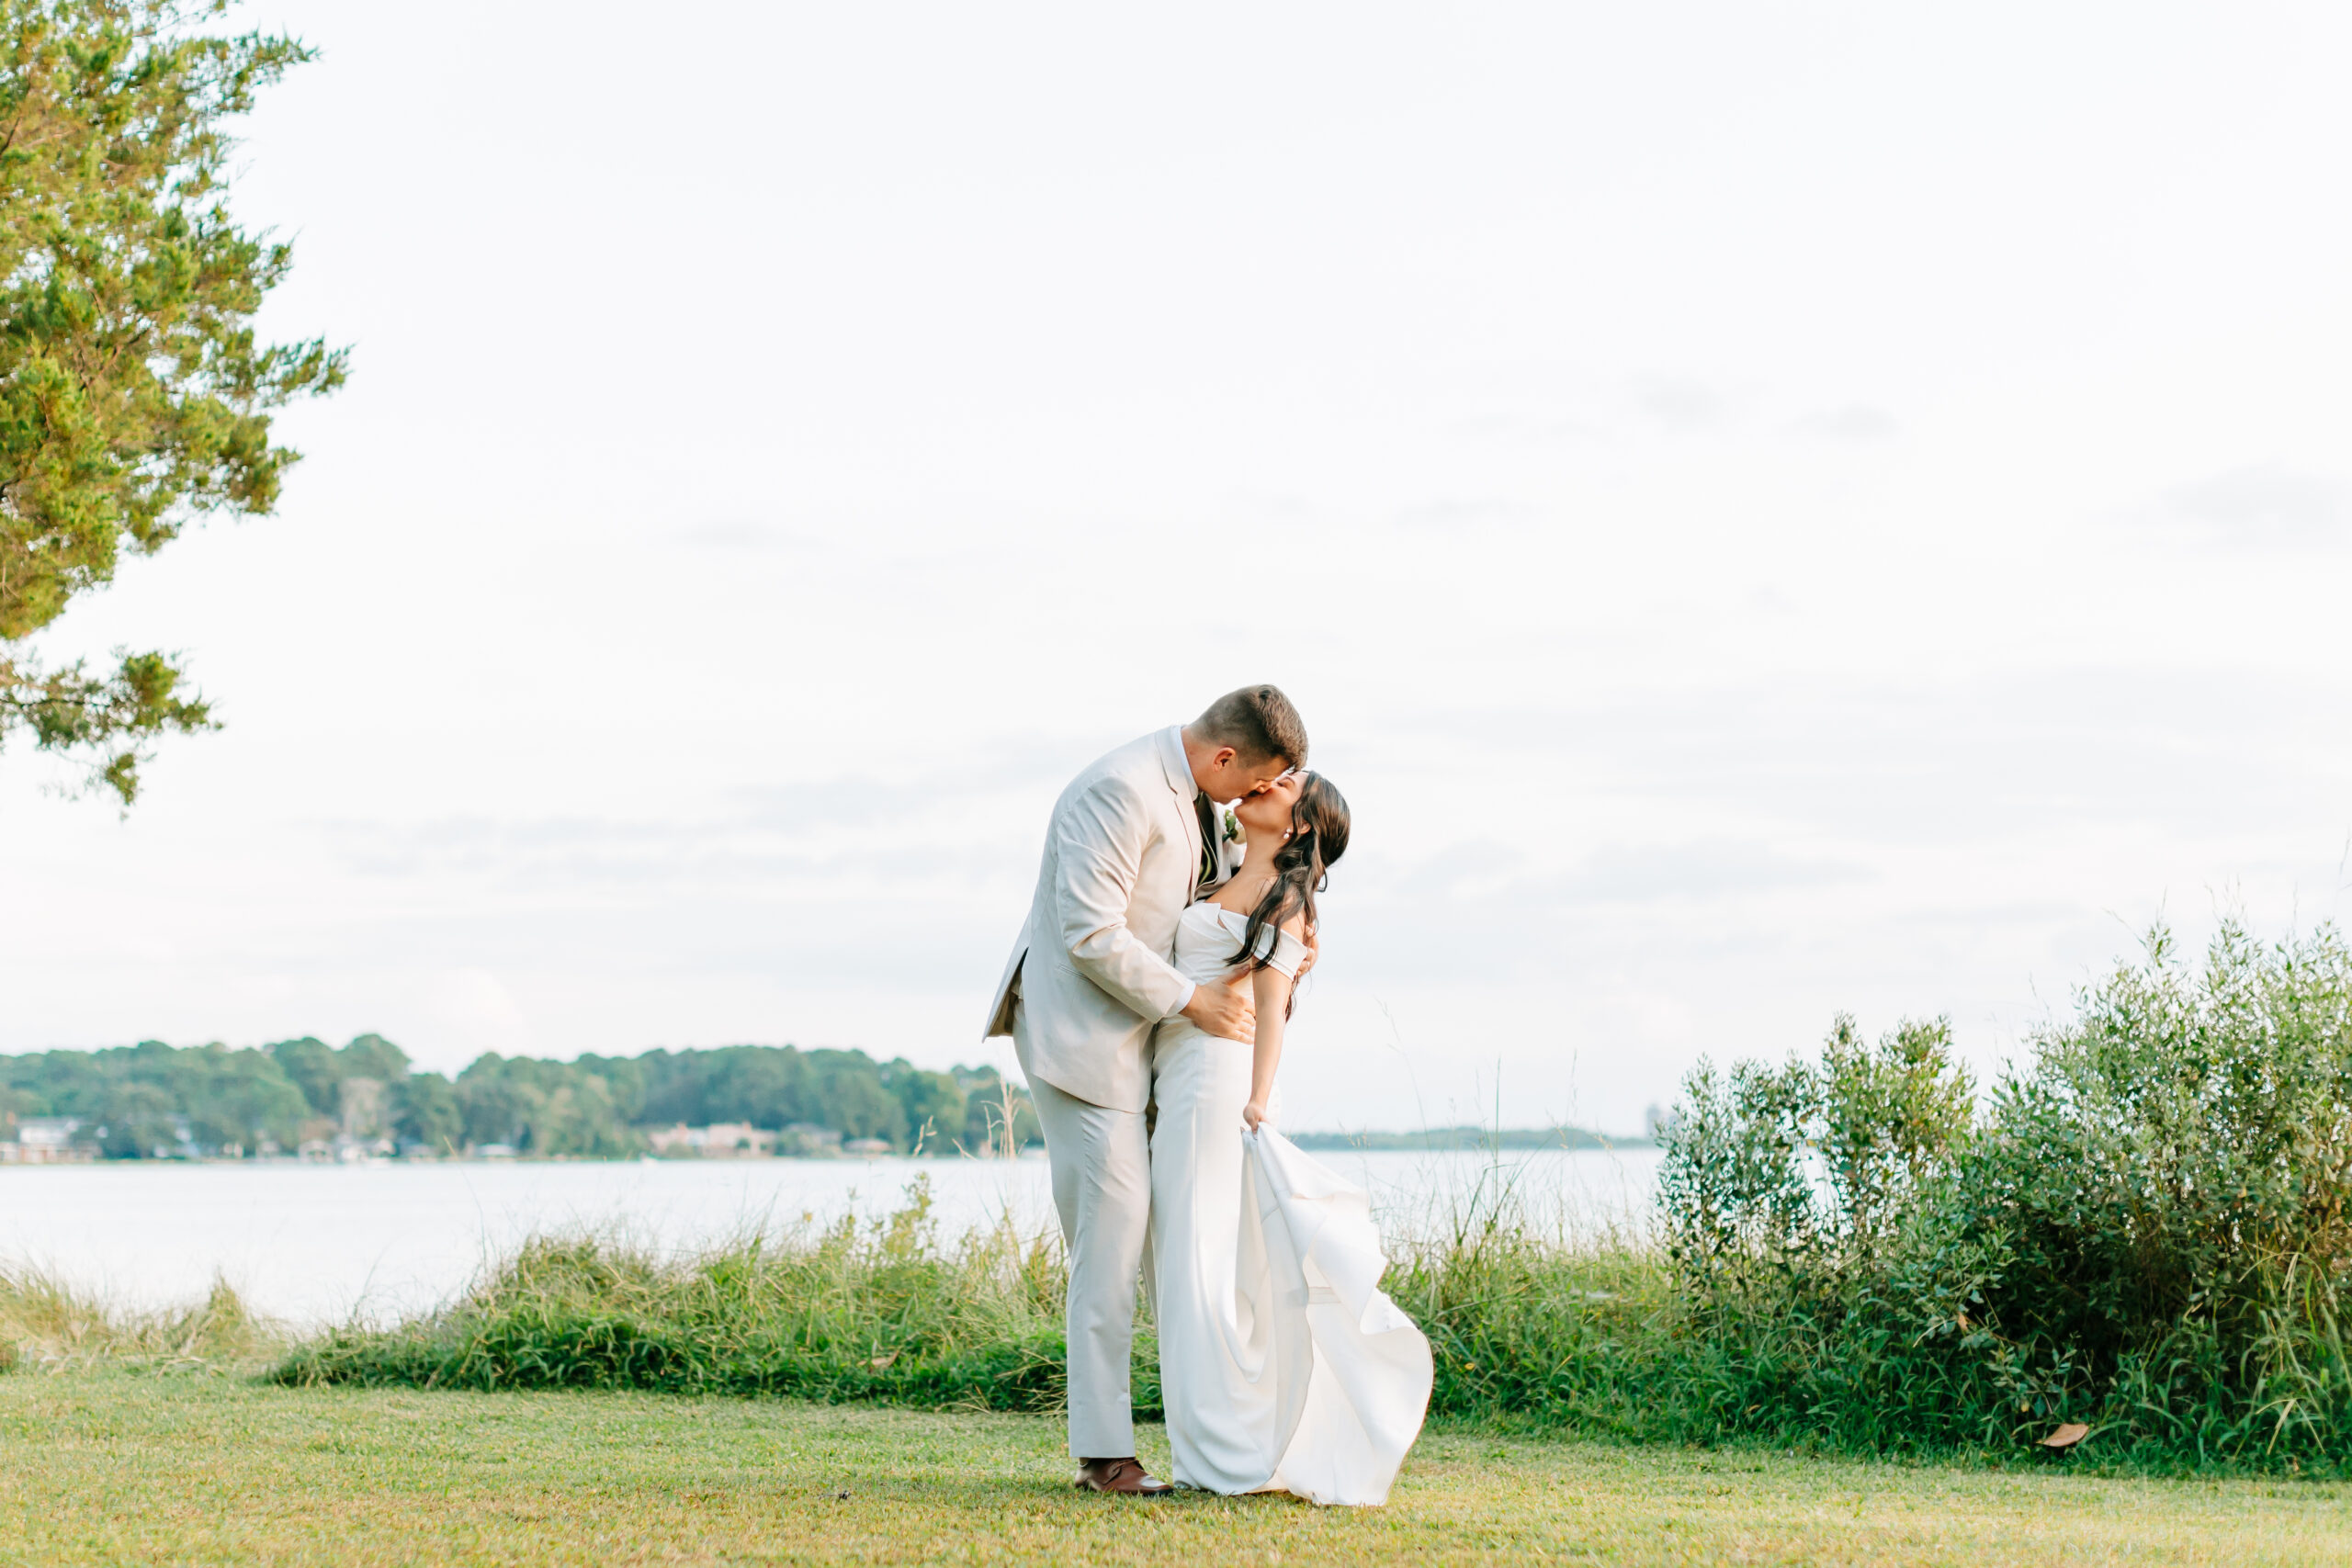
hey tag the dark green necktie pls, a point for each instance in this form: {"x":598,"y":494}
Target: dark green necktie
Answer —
{"x":1209,"y":856}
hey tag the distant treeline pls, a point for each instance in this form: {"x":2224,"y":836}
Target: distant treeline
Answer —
{"x":153,"y":1099}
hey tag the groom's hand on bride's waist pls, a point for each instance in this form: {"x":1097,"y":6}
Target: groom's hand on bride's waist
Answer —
{"x":1225,"y":1011}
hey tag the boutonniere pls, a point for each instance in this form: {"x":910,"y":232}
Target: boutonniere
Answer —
{"x":1232,"y":827}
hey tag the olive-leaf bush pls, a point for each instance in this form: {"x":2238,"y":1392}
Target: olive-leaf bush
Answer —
{"x":2144,"y":1227}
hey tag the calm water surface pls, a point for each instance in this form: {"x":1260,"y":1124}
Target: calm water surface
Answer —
{"x":317,"y":1244}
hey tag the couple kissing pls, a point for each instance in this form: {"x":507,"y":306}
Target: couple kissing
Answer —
{"x":1146,"y":996}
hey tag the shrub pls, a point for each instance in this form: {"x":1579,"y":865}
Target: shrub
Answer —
{"x":2154,"y":1219}
{"x":2146,"y":1230}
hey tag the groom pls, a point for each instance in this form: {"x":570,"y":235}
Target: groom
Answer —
{"x":1133,"y":839}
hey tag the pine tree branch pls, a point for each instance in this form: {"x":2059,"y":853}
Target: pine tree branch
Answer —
{"x":107,"y":719}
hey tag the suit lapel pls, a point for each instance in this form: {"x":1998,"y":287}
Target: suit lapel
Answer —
{"x":1180,"y":784}
{"x":1191,"y":819}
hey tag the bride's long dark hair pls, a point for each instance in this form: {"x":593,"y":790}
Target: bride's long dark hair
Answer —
{"x":1318,"y":837}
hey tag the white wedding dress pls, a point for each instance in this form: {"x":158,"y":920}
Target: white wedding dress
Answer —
{"x":1283,"y":1367}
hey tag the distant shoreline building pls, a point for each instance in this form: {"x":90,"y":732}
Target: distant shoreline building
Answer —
{"x":47,"y":1140}
{"x":720,"y":1140}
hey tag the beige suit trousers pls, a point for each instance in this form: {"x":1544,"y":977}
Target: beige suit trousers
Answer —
{"x":1101,"y":1162}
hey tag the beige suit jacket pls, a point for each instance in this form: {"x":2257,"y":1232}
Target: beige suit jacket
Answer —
{"x":1123,"y":859}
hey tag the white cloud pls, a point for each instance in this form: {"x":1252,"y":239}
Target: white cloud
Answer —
{"x":1854,"y":421}
{"x":2266,"y":504}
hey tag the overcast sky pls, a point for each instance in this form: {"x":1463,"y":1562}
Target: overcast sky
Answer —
{"x":1767,"y":510}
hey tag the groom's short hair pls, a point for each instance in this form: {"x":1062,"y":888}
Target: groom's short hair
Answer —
{"x":1259,"y":723}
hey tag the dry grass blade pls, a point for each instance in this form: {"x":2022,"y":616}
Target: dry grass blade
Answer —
{"x":47,"y":1324}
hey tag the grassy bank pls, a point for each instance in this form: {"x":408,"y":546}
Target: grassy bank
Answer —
{"x":883,"y":1312}
{"x":110,"y":1466}
{"x":2145,"y":1231}
{"x":1531,"y":1332}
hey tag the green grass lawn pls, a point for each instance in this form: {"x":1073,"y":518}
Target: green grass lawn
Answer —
{"x":117,"y":1466}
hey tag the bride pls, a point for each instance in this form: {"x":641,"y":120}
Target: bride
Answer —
{"x":1282,"y":1367}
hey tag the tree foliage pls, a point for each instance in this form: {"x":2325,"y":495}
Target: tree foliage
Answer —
{"x":134,"y":395}
{"x":151,"y":1099}
{"x":139,"y":1101}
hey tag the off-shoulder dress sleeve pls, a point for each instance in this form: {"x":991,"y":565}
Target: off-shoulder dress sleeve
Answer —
{"x":1288,"y":954}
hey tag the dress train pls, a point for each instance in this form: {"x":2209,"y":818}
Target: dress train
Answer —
{"x":1283,"y":1367}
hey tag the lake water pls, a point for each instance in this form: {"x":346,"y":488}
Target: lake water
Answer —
{"x":320,"y":1244}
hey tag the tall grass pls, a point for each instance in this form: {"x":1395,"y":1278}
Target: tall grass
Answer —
{"x":1537,"y":1321}
{"x":47,"y":1324}
{"x":874,"y":1310}
{"x":889,"y":1311}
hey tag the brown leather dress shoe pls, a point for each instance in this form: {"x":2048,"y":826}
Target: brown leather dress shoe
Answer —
{"x":1122,"y":1475}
